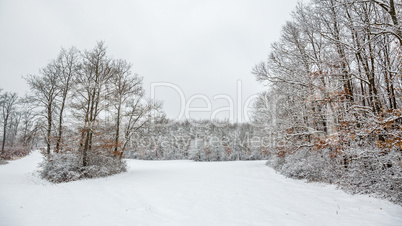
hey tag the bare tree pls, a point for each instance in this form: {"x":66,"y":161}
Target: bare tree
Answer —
{"x":138,"y":114}
{"x":124,"y":87}
{"x":96,"y":71}
{"x":67,"y":66}
{"x":8,"y":102}
{"x":45,"y":89}
{"x":29,"y":122}
{"x":392,"y":9}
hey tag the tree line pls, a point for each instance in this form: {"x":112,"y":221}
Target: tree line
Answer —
{"x":335,"y":75}
{"x":333,"y":105}
{"x":18,"y":125}
{"x":199,"y":140}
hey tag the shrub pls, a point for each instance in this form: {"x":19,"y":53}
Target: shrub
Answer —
{"x":305,"y":164}
{"x":65,"y":167}
{"x":362,"y":171}
{"x":11,"y":153}
{"x":373,"y":172}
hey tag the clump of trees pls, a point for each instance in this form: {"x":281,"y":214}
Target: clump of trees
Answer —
{"x":18,"y":126}
{"x":334,"y":103}
{"x":89,"y":106}
{"x":199,"y":140}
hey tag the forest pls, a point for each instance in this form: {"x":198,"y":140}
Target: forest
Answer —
{"x":334,"y":100}
{"x":331,"y":111}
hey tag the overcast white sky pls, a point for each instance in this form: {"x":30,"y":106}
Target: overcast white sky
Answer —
{"x":202,"y":46}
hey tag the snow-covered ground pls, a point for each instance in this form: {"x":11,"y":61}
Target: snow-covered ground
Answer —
{"x":182,"y":193}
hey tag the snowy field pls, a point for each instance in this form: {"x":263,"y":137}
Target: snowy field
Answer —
{"x":182,"y":193}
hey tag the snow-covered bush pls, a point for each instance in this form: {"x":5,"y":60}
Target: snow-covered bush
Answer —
{"x":68,"y":167}
{"x":363,"y":171}
{"x":371,"y":171}
{"x":305,"y":164}
{"x":11,"y":153}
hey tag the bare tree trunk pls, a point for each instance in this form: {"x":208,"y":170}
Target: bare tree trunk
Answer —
{"x":8,"y":101}
{"x":49,"y":128}
{"x":4,"y":133}
{"x":86,"y":147}
{"x":117,"y":128}
{"x":60,"y":130}
{"x":67,"y":61}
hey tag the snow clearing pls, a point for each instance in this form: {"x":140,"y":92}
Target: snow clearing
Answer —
{"x":182,"y":193}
